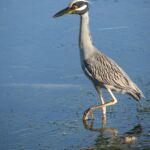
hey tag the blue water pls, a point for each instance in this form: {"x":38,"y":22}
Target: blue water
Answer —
{"x":43,"y":91}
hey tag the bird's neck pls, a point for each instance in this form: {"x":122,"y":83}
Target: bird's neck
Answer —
{"x":85,"y":42}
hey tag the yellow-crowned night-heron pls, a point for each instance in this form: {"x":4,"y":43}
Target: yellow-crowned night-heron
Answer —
{"x":100,"y":69}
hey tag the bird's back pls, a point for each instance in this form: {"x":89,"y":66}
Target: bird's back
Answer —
{"x":104,"y":71}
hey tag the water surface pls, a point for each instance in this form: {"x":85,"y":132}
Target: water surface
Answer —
{"x":43,"y":92}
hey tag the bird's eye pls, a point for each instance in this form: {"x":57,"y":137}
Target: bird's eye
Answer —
{"x":74,"y":7}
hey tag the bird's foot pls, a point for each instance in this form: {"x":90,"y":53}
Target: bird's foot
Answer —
{"x":88,"y":112}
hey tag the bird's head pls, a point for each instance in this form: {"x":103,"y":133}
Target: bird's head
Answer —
{"x":75,"y":7}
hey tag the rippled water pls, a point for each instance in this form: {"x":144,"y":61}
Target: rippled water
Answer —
{"x":43,"y":92}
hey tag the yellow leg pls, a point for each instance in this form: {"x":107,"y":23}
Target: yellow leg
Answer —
{"x":103,"y":106}
{"x":99,"y":91}
{"x":102,"y":102}
{"x":114,"y":99}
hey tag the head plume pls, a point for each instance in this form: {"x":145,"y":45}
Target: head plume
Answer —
{"x":75,"y":1}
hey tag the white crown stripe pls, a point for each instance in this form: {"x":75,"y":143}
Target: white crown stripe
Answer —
{"x":74,"y":1}
{"x":79,"y":1}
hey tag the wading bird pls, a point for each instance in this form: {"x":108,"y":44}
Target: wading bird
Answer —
{"x":100,"y":69}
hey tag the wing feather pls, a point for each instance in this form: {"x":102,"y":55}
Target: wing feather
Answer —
{"x":105,"y":71}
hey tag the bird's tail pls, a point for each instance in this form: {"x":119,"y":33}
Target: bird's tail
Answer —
{"x":136,"y":95}
{"x":135,"y":92}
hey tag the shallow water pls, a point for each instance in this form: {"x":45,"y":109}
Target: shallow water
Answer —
{"x":43,"y":92}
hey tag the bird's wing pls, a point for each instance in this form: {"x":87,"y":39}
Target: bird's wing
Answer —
{"x":106,"y":71}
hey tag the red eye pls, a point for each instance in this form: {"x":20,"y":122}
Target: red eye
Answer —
{"x":74,"y":7}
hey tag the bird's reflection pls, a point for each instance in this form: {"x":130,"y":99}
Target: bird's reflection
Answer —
{"x":114,"y":140}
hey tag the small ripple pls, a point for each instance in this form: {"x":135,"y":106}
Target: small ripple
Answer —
{"x":44,"y":85}
{"x":21,"y":130}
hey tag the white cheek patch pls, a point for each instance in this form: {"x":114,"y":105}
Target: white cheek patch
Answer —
{"x":82,"y":8}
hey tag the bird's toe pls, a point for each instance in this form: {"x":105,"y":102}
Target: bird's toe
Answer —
{"x":88,"y":112}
